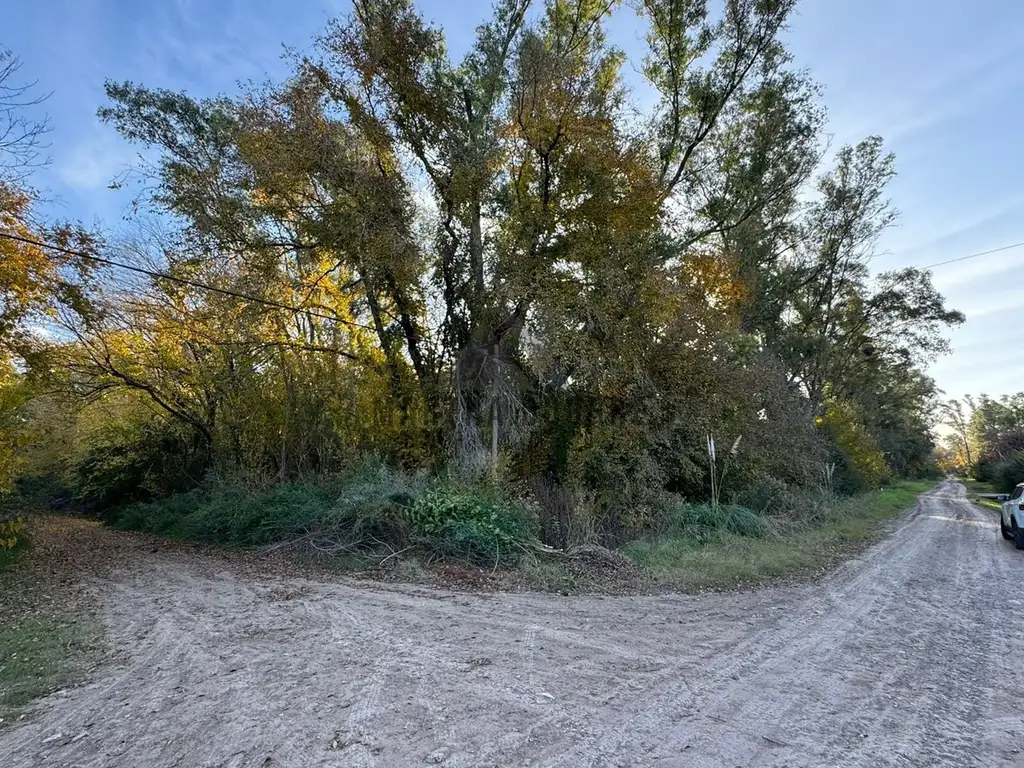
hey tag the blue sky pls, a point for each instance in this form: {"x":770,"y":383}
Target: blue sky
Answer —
{"x":940,"y":80}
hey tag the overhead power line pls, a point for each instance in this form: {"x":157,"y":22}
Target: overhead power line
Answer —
{"x":182,"y":280}
{"x":975,"y":255}
{"x":278,"y":305}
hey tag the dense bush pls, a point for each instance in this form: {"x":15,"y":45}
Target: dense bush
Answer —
{"x":371,"y":507}
{"x":11,"y":530}
{"x":122,"y":466}
{"x":12,"y":522}
{"x":785,"y":505}
{"x":475,"y":523}
{"x":1008,"y":472}
{"x":998,"y":458}
{"x":985,"y":471}
{"x":237,"y":512}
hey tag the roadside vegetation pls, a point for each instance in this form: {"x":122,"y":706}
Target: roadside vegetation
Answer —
{"x":985,"y":444}
{"x":372,"y":511}
{"x":375,"y":515}
{"x":736,"y":547}
{"x":977,"y":489}
{"x":479,"y":309}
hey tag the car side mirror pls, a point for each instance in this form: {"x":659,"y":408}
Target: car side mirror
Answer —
{"x":1002,"y":497}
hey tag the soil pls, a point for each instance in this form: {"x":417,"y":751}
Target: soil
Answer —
{"x":909,"y":655}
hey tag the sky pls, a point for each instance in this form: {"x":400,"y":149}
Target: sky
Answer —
{"x":940,"y":80}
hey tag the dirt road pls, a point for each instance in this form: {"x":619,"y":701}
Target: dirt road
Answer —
{"x":911,"y":656}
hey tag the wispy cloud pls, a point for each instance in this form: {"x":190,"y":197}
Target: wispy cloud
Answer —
{"x":95,"y":160}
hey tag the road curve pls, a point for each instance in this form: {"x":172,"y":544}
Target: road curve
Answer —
{"x":912,"y":655}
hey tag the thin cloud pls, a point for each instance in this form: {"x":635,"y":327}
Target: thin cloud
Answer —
{"x":94,"y":162}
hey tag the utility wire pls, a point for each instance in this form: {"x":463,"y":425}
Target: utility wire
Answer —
{"x":974,"y":255}
{"x":311,"y":313}
{"x":182,"y":280}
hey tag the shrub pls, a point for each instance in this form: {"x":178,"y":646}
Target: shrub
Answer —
{"x":986,"y":470}
{"x":474,"y":523}
{"x":785,"y":506}
{"x":765,"y":495}
{"x":615,"y":462}
{"x":10,"y":532}
{"x":1009,"y":471}
{"x":12,"y":523}
{"x":229,"y":514}
{"x":242,"y":516}
{"x":120,"y":469}
{"x":370,"y":507}
{"x":698,"y":520}
{"x":862,"y":465}
{"x":555,"y":510}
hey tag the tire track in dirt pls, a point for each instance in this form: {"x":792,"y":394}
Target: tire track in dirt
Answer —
{"x":896,"y":659}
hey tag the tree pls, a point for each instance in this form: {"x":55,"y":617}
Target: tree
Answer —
{"x":21,"y":135}
{"x":959,"y":421}
{"x":838,"y":323}
{"x":33,"y":280}
{"x":494,"y":262}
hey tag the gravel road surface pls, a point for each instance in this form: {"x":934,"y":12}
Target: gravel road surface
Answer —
{"x":912,"y":655}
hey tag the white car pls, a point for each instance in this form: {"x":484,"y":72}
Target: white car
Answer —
{"x":1010,"y":514}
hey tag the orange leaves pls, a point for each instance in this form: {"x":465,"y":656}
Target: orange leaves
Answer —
{"x":716,"y":276}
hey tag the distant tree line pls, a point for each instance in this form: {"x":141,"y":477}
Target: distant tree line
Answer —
{"x":986,"y":439}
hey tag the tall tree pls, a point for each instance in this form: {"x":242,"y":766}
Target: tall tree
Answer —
{"x":959,"y":421}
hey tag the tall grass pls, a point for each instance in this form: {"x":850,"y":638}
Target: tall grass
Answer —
{"x":733,"y":550}
{"x":701,"y":520}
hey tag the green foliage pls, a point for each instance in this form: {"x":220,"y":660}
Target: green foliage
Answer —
{"x":373,"y":503}
{"x":475,"y":523}
{"x":986,"y":437}
{"x":232,"y":514}
{"x":11,"y":531}
{"x":14,"y":392}
{"x":123,"y":466}
{"x":700,"y":520}
{"x":12,"y":524}
{"x":862,"y":464}
{"x":1008,"y":472}
{"x":724,"y":559}
{"x":397,"y":254}
{"x":369,"y":508}
{"x":10,"y":557}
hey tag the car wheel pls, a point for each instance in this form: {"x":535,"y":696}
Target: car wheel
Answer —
{"x":1018,"y":536}
{"x":1007,"y":533}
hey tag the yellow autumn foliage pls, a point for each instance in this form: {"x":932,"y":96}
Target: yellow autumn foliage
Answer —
{"x":9,"y":532}
{"x":864,"y":461}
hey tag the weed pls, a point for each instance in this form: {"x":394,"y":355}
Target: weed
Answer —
{"x":10,"y":556}
{"x":722,"y":556}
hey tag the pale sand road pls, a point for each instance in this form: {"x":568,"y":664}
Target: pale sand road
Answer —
{"x":910,"y":656}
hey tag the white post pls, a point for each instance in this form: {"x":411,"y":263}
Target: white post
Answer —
{"x":494,"y":415}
